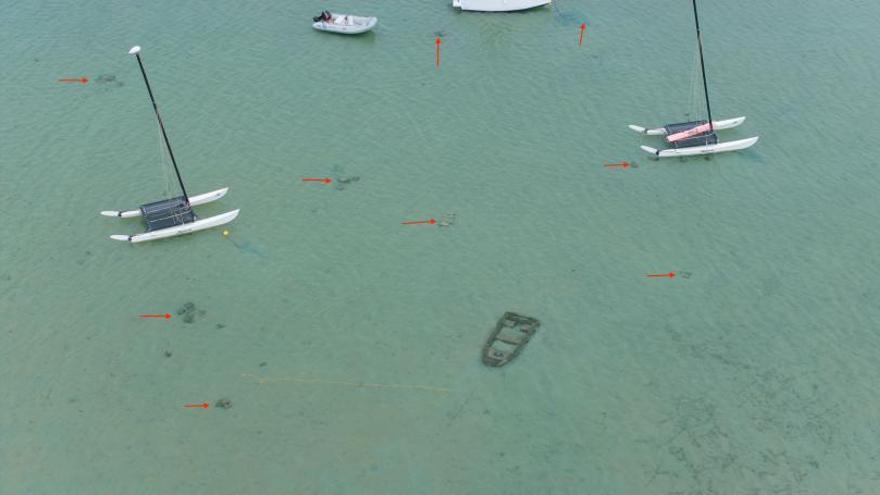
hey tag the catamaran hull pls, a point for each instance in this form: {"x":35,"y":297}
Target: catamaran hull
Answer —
{"x":187,"y":228}
{"x":201,"y":199}
{"x":718,"y":125}
{"x":498,"y":5}
{"x":703,"y":150}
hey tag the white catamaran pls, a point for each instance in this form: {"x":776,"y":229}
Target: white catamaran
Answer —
{"x":170,"y":217}
{"x":698,"y":137}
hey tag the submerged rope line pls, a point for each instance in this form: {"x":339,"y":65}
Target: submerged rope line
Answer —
{"x":263,"y":381}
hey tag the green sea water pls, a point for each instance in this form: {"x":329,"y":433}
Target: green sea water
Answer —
{"x":349,"y":343}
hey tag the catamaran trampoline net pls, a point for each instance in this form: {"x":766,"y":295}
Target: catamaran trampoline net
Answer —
{"x":167,"y":213}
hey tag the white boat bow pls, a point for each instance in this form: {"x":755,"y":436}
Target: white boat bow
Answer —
{"x":498,"y":5}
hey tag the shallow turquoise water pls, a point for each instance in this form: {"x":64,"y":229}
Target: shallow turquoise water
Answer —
{"x":349,"y":343}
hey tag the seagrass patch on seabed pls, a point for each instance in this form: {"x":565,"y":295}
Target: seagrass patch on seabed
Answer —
{"x":446,"y":220}
{"x":188,"y":311}
{"x":108,"y":81}
{"x":344,"y":181}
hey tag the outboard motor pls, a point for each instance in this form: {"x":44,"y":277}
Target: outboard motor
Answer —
{"x":318,"y":18}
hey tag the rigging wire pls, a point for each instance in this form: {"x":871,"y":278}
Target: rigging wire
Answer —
{"x":170,"y":178}
{"x":696,"y":90}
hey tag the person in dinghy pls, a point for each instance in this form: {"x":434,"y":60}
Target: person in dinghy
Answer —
{"x":325,"y":16}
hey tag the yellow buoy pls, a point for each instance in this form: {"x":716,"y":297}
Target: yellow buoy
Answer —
{"x":225,"y":233}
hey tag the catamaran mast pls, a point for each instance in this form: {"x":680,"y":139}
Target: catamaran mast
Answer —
{"x":136,"y":51}
{"x":702,"y":66}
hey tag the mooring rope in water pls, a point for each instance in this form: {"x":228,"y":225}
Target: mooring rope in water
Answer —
{"x":293,"y":379}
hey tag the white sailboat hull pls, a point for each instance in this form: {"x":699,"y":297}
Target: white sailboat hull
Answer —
{"x":703,"y":150}
{"x":187,"y":228}
{"x":201,"y":199}
{"x":718,"y":125}
{"x":498,"y":5}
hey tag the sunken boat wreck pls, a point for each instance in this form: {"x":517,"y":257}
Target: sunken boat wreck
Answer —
{"x":508,"y":339}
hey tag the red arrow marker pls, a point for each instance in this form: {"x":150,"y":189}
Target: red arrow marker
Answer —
{"x":166,"y":316}
{"x":431,"y":222}
{"x":81,"y":80}
{"x":581,"y":38}
{"x":323,"y":180}
{"x":623,"y":165}
{"x":662,"y":275}
{"x":203,"y":405}
{"x":437,"y":42}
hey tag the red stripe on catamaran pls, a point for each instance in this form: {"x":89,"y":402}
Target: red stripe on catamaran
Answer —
{"x":678,"y":136}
